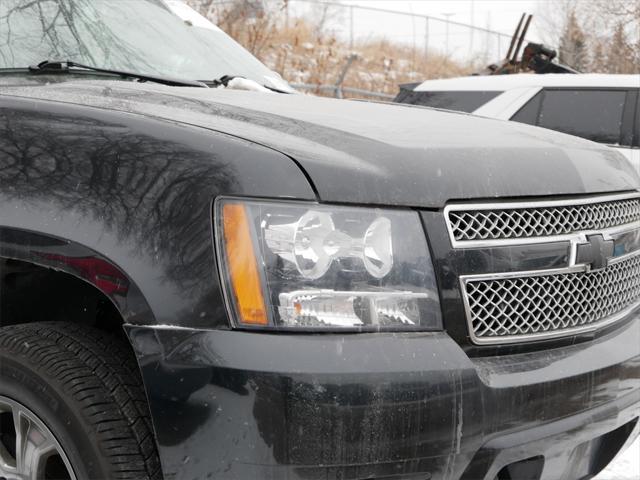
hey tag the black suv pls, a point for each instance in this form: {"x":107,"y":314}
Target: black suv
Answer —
{"x":201,"y":282}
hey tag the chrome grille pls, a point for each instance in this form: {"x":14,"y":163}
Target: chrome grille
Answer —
{"x":536,"y":305}
{"x":540,"y":221}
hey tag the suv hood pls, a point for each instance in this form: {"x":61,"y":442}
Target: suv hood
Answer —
{"x":372,"y":153}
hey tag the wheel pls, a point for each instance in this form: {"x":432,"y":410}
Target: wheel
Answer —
{"x":72,"y":406}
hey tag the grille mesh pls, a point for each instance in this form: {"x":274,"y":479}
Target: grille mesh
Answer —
{"x":530,"y":305}
{"x":541,"y":221}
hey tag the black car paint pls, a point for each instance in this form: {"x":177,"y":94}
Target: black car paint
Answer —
{"x":135,"y":192}
{"x":368,"y":153}
{"x":125,"y":174}
{"x":409,"y":405}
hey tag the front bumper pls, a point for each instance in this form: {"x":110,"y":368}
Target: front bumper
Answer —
{"x":241,"y":405}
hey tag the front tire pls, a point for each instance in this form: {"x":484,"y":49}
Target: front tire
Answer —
{"x":81,"y":387}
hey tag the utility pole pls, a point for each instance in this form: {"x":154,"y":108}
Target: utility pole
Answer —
{"x":471,"y":30}
{"x":487,"y":46}
{"x":286,"y":15}
{"x":351,"y":27}
{"x":446,"y":48}
{"x":426,"y":37}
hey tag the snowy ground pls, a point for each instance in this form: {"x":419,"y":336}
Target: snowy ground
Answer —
{"x":625,"y":467}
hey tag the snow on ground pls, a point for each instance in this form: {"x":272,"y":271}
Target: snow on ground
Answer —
{"x":625,"y":467}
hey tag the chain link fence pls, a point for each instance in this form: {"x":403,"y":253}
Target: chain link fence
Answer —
{"x":426,"y":34}
{"x":343,"y":50}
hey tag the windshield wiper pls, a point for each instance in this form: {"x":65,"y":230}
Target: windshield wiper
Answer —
{"x":67,"y":66}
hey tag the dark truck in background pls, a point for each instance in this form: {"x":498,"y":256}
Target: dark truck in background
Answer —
{"x":204,"y":283}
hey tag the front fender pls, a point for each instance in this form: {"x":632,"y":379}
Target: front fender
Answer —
{"x":112,"y":194}
{"x":81,"y":262}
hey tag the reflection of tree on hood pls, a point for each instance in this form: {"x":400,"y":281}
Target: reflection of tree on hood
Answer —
{"x":151,"y":193}
{"x":75,"y":30}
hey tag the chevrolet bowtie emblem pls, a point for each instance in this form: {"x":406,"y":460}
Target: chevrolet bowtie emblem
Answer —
{"x":595,"y":253}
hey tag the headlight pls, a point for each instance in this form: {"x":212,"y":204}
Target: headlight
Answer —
{"x":293,"y":265}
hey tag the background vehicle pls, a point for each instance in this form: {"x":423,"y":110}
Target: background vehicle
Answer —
{"x":202,"y":282}
{"x":602,"y":108}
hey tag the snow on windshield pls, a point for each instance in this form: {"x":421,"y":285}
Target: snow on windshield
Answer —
{"x":188,"y":14}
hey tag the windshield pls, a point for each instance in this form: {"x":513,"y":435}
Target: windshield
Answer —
{"x":152,"y":37}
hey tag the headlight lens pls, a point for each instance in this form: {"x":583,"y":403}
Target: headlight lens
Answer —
{"x":294,"y":265}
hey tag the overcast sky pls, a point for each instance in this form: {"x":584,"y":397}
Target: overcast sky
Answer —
{"x":503,"y":15}
{"x":499,"y":15}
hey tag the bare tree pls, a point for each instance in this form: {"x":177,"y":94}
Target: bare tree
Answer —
{"x":308,"y":45}
{"x":623,"y":12}
{"x":68,"y":30}
{"x":573,"y":49}
{"x":621,"y":56}
{"x":595,"y":35}
{"x":253,"y":23}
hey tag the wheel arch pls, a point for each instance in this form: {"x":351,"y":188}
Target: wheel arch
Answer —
{"x":82,"y":263}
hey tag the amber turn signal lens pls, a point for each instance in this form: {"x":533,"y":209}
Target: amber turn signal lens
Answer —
{"x":243,"y":266}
